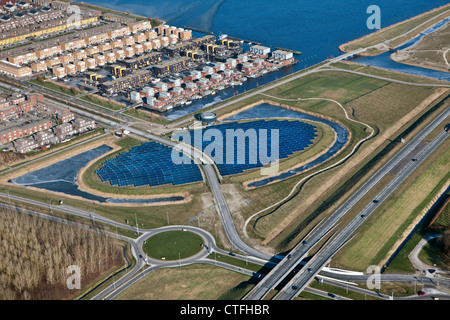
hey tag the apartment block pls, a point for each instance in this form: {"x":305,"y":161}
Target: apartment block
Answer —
{"x":48,"y":52}
{"x":14,"y":70}
{"x":118,"y":18}
{"x":73,"y":45}
{"x":140,"y":26}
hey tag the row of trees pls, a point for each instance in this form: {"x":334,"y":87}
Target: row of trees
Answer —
{"x":35,"y":254}
{"x":443,"y":244}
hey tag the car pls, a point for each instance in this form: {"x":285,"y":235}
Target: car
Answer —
{"x":231,"y":254}
{"x":414,"y":159}
{"x":421,"y":293}
{"x":376,"y":201}
{"x":289,"y":256}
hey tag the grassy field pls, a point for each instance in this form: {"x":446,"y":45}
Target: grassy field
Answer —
{"x":52,"y":86}
{"x":358,"y":94}
{"x":104,"y":103}
{"x":396,"y":30}
{"x":173,"y":245}
{"x":376,"y":237}
{"x":195,"y":282}
{"x":428,"y":52}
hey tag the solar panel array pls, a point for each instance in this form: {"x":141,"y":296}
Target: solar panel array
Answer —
{"x":293,"y":136}
{"x":148,"y":164}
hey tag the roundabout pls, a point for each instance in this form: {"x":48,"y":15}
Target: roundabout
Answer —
{"x":174,"y":245}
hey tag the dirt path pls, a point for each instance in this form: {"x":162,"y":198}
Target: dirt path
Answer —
{"x":348,"y":167}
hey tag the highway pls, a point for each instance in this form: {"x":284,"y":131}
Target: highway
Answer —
{"x":302,"y":278}
{"x":145,"y":265}
{"x":213,"y":181}
{"x":301,"y":250}
{"x":210,"y":172}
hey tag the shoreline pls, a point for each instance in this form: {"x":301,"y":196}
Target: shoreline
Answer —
{"x":417,"y":64}
{"x":343,"y":46}
{"x":80,"y":184}
{"x":101,"y":8}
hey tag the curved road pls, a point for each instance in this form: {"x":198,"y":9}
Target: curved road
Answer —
{"x":302,"y":249}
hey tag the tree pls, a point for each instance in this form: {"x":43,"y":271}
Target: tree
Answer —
{"x":40,"y":78}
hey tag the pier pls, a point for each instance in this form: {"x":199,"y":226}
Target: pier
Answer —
{"x":199,"y":30}
{"x":289,"y":50}
{"x":246,"y":41}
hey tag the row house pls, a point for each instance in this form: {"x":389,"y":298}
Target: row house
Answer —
{"x":48,"y":52}
{"x":27,"y":129}
{"x":118,"y":33}
{"x":118,"y":18}
{"x":14,"y":70}
{"x":25,"y":145}
{"x":43,"y":138}
{"x":13,"y":111}
{"x":97,"y":39}
{"x":74,"y":45}
{"x":23,"y":59}
{"x":136,"y":79}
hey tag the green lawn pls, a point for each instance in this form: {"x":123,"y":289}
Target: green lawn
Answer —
{"x":104,"y":103}
{"x":389,"y":222}
{"x":394,"y":31}
{"x":194,"y":282}
{"x":173,"y":245}
{"x":54,"y":87}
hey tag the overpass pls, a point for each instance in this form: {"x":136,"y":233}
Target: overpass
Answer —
{"x":302,"y":279}
{"x":307,"y":273}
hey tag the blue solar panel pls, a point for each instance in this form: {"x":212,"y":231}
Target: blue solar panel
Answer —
{"x":293,"y":136}
{"x":148,"y":164}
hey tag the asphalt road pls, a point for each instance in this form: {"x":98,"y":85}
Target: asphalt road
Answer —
{"x":213,"y":181}
{"x":318,"y":261}
{"x":211,"y":177}
{"x":300,"y":251}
